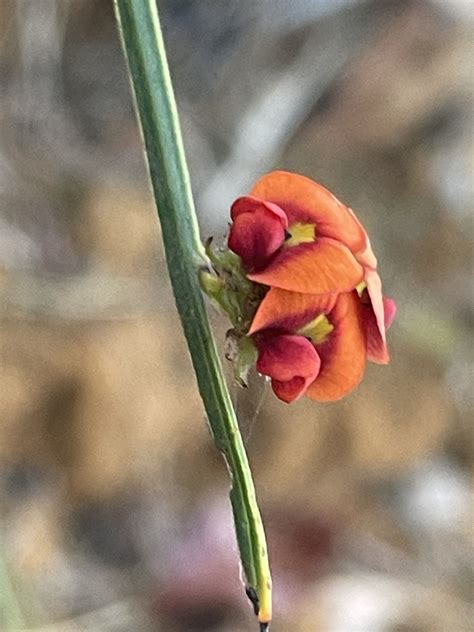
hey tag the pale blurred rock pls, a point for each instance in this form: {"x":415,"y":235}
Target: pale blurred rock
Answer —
{"x":119,"y":230}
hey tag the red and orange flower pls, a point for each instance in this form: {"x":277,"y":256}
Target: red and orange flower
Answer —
{"x":324,"y":313}
{"x":304,"y":292}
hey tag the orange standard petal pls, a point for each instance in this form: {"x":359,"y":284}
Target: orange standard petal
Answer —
{"x":366,"y":256}
{"x":306,"y":201}
{"x":343,"y":354}
{"x":322,"y":267}
{"x":289,"y":311}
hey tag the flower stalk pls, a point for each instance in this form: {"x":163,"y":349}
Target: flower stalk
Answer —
{"x":156,"y":109}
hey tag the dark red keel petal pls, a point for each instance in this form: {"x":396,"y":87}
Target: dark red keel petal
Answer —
{"x":250,"y":204}
{"x":290,"y":361}
{"x":289,"y":391}
{"x":257,"y":232}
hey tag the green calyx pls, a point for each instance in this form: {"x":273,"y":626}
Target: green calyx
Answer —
{"x":232,"y":293}
{"x":243,"y":353}
{"x":227,"y":285}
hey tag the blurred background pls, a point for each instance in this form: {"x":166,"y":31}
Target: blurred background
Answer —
{"x":114,"y":514}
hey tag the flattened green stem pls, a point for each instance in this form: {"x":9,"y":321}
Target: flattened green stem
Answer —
{"x":145,"y":52}
{"x":11,"y":615}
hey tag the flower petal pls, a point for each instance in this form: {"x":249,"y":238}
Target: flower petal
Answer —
{"x":343,"y":353}
{"x":374,"y":289}
{"x":319,"y":268}
{"x":377,"y":350}
{"x":289,"y":311}
{"x":365,"y":256}
{"x":257,"y":232}
{"x":285,"y":356}
{"x":291,"y":361}
{"x":389,"y":311}
{"x":290,"y":391}
{"x":250,"y":203}
{"x":303,"y":200}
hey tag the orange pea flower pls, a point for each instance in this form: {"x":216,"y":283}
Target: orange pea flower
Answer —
{"x":314,"y":244}
{"x":330,"y":325}
{"x":294,"y":235}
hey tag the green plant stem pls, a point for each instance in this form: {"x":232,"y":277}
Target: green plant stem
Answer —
{"x":11,"y":615}
{"x":145,"y":52}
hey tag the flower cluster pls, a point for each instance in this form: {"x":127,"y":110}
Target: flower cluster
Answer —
{"x":320,"y":312}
